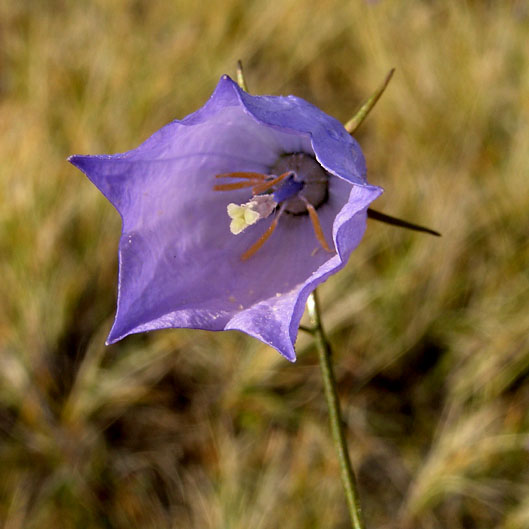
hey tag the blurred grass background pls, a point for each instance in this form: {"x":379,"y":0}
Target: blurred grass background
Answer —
{"x":188,"y":429}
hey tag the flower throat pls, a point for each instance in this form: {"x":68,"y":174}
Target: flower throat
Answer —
{"x":296,"y":185}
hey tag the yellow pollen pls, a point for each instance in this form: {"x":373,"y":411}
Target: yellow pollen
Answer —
{"x":241,"y":217}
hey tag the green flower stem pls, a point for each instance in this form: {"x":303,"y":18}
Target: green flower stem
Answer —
{"x":335,"y":415}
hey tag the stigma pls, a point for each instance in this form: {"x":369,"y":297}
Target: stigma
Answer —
{"x":244,"y":215}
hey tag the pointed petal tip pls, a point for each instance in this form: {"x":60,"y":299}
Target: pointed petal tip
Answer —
{"x":291,"y":359}
{"x":288,"y":353}
{"x":111,"y":340}
{"x":77,"y":160}
{"x":290,"y":356}
{"x":113,"y":336}
{"x":225,"y":78}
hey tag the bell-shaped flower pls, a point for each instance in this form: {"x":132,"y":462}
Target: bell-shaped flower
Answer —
{"x":233,"y":215}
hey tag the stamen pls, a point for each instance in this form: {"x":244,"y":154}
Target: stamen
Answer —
{"x":232,"y":186}
{"x":265,"y":186}
{"x":255,"y":180}
{"x":264,"y":237}
{"x":249,"y":176}
{"x":318,"y":231}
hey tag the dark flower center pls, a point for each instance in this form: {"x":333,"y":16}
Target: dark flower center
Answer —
{"x":308,"y":182}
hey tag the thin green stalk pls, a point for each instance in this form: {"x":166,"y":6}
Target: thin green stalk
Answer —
{"x":335,"y":414}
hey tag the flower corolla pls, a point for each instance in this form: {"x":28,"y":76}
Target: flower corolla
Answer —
{"x":232,"y":216}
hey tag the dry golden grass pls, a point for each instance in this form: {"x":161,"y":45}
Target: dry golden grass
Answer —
{"x":185,"y":429}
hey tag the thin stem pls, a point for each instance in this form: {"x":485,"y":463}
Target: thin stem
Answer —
{"x":335,"y":414}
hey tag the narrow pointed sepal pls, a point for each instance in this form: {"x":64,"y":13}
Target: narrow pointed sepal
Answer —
{"x":352,"y":125}
{"x":387,"y":219}
{"x":241,"y":80}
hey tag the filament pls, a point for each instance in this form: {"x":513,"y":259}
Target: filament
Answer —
{"x":318,"y":231}
{"x":232,"y":186}
{"x":247,"y":175}
{"x":265,"y":186}
{"x":264,"y":237}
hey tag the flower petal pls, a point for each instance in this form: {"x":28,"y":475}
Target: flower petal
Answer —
{"x":336,"y":150}
{"x":179,"y":264}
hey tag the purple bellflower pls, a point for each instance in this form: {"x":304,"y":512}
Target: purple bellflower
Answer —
{"x":233,"y":215}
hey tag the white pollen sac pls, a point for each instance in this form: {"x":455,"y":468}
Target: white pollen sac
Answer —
{"x":260,"y":207}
